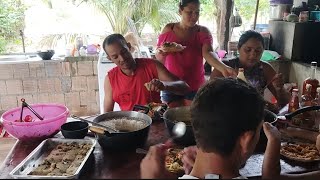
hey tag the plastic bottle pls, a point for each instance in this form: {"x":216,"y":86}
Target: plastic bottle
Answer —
{"x":82,"y":51}
{"x":311,"y":80}
{"x":294,"y":102}
{"x":306,"y":99}
{"x":241,"y":75}
{"x":316,"y":101}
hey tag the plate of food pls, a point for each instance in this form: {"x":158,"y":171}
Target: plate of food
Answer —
{"x":302,"y":152}
{"x":153,"y":109}
{"x":171,"y":47}
{"x":174,"y":160}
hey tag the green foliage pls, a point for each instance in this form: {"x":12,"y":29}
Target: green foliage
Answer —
{"x":247,"y":7}
{"x":155,"y":12}
{"x":11,"y":21}
{"x":207,"y":9}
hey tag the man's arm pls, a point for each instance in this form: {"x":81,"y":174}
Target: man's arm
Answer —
{"x":271,"y":162}
{"x":171,"y":82}
{"x":275,"y":85}
{"x":108,"y":102}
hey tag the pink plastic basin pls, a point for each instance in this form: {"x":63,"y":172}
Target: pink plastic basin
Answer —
{"x":54,"y":115}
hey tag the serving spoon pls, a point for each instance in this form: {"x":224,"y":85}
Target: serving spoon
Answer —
{"x":178,"y":130}
{"x":94,"y":123}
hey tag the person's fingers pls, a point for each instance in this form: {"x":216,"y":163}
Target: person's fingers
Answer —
{"x":188,"y":159}
{"x":266,"y":127}
{"x":151,"y":152}
{"x":156,"y":85}
{"x":187,"y":168}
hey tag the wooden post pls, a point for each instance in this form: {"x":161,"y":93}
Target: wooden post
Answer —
{"x":256,"y":15}
{"x":224,"y":12}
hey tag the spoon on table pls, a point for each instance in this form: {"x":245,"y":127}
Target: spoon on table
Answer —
{"x":178,"y":130}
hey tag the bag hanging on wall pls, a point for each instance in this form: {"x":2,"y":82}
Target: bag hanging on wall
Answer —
{"x":237,"y":20}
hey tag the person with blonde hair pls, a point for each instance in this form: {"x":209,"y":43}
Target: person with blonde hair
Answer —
{"x":133,"y":40}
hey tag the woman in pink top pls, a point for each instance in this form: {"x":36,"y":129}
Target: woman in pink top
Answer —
{"x":188,"y":63}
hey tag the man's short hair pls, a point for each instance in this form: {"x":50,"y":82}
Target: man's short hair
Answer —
{"x":222,"y":110}
{"x":114,"y":38}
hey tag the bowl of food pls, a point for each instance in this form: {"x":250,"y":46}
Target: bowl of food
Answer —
{"x":46,"y":55}
{"x":75,"y":130}
{"x":31,"y":127}
{"x":132,"y":130}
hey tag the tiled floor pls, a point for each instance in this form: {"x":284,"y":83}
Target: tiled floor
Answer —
{"x":5,"y":146}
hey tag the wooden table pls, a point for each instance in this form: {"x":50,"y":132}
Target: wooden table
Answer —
{"x":105,"y":165}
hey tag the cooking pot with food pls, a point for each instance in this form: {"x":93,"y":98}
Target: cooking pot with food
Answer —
{"x":132,"y":130}
{"x":174,"y":115}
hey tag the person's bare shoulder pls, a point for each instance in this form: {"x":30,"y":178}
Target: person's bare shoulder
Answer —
{"x":267,"y":67}
{"x":167,"y":28}
{"x":268,"y":70}
{"x":204,"y":29}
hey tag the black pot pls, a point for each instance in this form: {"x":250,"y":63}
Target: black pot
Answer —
{"x":174,"y":115}
{"x":46,"y":55}
{"x":75,"y":130}
{"x":124,"y":140}
{"x":262,"y":143}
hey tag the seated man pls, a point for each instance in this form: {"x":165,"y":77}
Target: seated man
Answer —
{"x":135,"y":81}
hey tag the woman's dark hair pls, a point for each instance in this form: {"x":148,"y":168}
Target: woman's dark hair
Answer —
{"x":184,"y":3}
{"x":222,"y":110}
{"x":248,"y":35}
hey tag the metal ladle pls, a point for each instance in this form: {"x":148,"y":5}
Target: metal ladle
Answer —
{"x":94,"y":123}
{"x":178,"y":130}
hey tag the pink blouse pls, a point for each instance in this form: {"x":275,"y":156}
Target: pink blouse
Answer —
{"x":187,"y":64}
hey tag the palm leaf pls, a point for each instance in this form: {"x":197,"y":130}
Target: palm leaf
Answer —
{"x":51,"y":41}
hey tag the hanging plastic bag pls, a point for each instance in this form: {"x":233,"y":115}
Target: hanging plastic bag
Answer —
{"x":236,"y":18}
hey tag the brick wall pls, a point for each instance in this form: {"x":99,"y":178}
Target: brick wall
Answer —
{"x":72,"y":82}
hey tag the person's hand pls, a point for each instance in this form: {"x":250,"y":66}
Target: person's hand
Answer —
{"x":188,"y":158}
{"x":152,"y":165}
{"x":318,"y":142}
{"x":277,"y":81}
{"x":155,"y":85}
{"x":272,"y":133}
{"x":229,"y":72}
{"x":162,"y":51}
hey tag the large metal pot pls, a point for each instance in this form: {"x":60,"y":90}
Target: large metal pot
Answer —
{"x":123,"y":140}
{"x":177,"y":114}
{"x":174,"y":115}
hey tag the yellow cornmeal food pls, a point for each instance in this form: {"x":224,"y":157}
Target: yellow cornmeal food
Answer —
{"x":174,"y":160}
{"x":63,"y":160}
{"x":304,"y":152}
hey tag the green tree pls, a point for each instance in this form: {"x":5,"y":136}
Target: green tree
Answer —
{"x":156,"y":13}
{"x":11,"y":21}
{"x":247,"y":7}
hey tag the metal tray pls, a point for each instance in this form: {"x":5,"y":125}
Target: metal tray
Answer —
{"x":38,"y":155}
